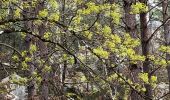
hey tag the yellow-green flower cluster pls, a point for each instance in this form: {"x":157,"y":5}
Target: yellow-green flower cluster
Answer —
{"x":139,"y":8}
{"x":102,"y":53}
{"x":144,"y":77}
{"x":163,"y":48}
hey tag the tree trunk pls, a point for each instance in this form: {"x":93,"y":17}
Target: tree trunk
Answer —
{"x":130,"y":22}
{"x":145,"y":49}
{"x":43,"y":49}
{"x":166,"y":32}
{"x":28,"y":41}
{"x":43,"y":54}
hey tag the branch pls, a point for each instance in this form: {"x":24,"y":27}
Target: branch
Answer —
{"x":163,"y":96}
{"x":157,"y":29}
{"x":65,"y":49}
{"x":120,"y":76}
{"x":6,"y":45}
{"x":155,"y":6}
{"x":75,"y":57}
{"x":2,"y":22}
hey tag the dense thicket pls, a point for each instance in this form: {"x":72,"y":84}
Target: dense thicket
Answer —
{"x":86,"y":49}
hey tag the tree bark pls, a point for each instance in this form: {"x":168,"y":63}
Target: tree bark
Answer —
{"x":166,"y":32}
{"x":130,"y":22}
{"x":43,"y":54}
{"x":145,"y":49}
{"x":28,"y":40}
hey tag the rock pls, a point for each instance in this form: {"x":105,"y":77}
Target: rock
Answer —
{"x":12,"y":91}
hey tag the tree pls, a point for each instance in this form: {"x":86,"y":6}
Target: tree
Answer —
{"x":131,"y":28}
{"x":145,"y":48}
{"x":166,"y":31}
{"x":83,"y":49}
